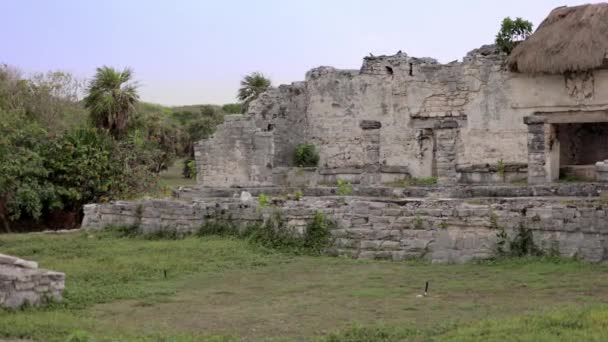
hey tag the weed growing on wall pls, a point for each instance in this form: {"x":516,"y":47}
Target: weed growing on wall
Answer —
{"x":521,"y":245}
{"x":344,"y":187}
{"x":501,"y":168}
{"x":494,"y":221}
{"x":274,"y":233}
{"x":418,"y":222}
{"x":263,"y":200}
{"x":218,"y":228}
{"x":306,"y":155}
{"x":318,"y":234}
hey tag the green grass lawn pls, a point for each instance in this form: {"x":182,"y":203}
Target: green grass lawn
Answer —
{"x":223,"y":289}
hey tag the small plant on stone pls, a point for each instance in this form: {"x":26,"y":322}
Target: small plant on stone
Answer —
{"x":494,"y":221}
{"x":501,"y":242}
{"x":443,"y":225}
{"x":306,"y":155}
{"x":344,"y":187}
{"x":418,"y":222}
{"x":298,"y":195}
{"x":263,"y":200}
{"x":501,"y":168}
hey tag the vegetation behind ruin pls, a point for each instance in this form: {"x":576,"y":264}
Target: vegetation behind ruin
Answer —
{"x":58,"y":151}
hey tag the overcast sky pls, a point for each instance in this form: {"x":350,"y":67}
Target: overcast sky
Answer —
{"x":196,"y":51}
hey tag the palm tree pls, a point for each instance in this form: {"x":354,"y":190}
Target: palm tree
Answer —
{"x":111,"y":99}
{"x":252,"y":86}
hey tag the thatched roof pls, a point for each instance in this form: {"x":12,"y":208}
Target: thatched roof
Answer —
{"x":569,"y":39}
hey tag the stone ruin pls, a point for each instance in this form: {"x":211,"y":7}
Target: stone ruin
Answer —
{"x":23,"y":283}
{"x":469,"y":122}
{"x":496,"y":140}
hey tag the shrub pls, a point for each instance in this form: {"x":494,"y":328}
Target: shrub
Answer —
{"x":318,"y":236}
{"x":41,"y":173}
{"x":219,"y":228}
{"x":189,"y":169}
{"x":521,"y":245}
{"x":306,"y":155}
{"x":25,"y":189}
{"x":273,"y":233}
{"x":511,"y":33}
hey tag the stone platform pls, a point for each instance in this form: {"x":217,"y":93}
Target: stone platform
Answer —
{"x":22,"y":282}
{"x":439,"y":229}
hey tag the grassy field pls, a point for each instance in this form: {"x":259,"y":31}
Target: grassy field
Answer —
{"x":223,"y":289}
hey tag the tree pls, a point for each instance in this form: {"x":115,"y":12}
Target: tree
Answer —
{"x":111,"y":99}
{"x":512,"y":32}
{"x":54,"y":101}
{"x":252,"y":86}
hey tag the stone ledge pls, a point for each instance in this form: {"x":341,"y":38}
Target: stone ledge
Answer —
{"x":22,"y":282}
{"x":7,"y":260}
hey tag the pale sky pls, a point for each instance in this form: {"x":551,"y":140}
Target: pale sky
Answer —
{"x":196,"y":51}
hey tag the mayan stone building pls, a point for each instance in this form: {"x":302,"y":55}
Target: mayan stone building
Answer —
{"x":488,"y":118}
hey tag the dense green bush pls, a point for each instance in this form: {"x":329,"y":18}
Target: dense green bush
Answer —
{"x":51,"y":159}
{"x":41,"y":172}
{"x":306,"y":155}
{"x":24,"y":185}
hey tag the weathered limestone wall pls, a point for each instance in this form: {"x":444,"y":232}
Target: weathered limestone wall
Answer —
{"x":411,"y":114}
{"x":282,"y":111}
{"x":439,"y":230}
{"x":22,"y":282}
{"x":238,"y":153}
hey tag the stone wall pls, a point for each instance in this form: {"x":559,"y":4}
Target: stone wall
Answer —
{"x":282,"y":111}
{"x":439,"y":230}
{"x":408,"y":100}
{"x":238,"y":153}
{"x":22,"y":282}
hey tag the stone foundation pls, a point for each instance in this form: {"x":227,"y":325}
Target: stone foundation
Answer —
{"x":22,"y":282}
{"x":438,"y":230}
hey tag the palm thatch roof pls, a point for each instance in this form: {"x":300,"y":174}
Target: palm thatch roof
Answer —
{"x":569,"y":39}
